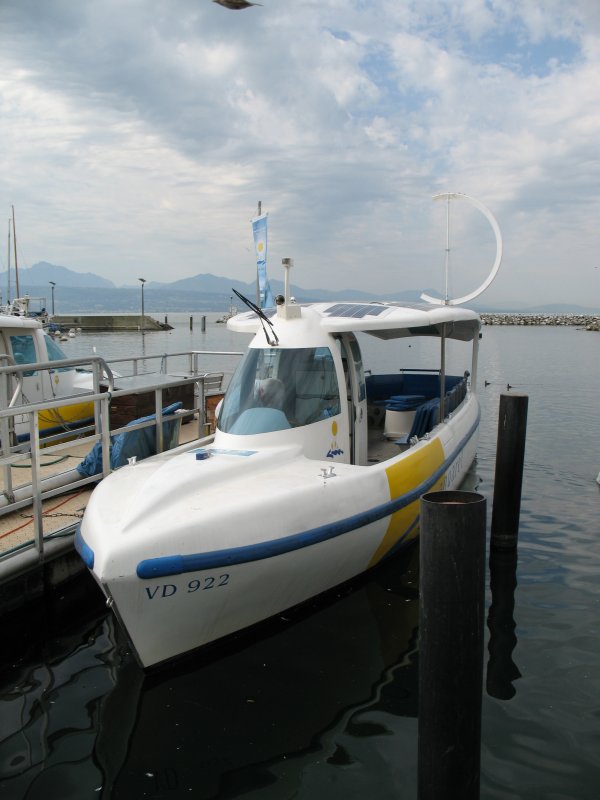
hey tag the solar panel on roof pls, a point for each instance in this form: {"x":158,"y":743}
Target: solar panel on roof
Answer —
{"x":354,"y":310}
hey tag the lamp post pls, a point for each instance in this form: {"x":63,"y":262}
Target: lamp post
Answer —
{"x":142,"y":281}
{"x":52,"y":284}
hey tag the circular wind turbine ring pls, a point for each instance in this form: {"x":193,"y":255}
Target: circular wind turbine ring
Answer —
{"x":492,"y":220}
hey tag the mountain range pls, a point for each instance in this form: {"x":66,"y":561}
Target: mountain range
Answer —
{"x":77,"y":292}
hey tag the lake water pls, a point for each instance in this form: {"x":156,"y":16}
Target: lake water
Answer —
{"x":323,"y":703}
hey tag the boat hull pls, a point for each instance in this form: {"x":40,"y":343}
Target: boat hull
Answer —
{"x":258,"y":533}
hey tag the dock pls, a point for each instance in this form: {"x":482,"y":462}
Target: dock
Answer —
{"x":25,"y":573}
{"x":42,"y":494}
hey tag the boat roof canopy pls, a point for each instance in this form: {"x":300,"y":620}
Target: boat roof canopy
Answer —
{"x":384,"y":320}
{"x":16,"y":321}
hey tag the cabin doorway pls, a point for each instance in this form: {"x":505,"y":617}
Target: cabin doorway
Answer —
{"x":356,"y":397}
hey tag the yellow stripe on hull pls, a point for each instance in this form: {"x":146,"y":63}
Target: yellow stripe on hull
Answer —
{"x":403,"y":477}
{"x":54,"y":417}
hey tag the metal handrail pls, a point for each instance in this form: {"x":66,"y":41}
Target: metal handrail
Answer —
{"x":100,"y":367}
{"x":192,"y":356}
{"x":19,"y":378}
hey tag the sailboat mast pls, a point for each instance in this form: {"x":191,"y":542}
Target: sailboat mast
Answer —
{"x":8,"y":268}
{"x":15,"y":247}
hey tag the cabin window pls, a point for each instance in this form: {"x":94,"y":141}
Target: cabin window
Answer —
{"x":23,"y":351}
{"x":274,"y":389}
{"x":55,"y":352}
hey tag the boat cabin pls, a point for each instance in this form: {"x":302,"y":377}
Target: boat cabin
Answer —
{"x":308,"y":385}
{"x":24,"y":340}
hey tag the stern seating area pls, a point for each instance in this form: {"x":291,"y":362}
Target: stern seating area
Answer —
{"x":413,"y":398}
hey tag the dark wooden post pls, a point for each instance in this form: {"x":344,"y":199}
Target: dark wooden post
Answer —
{"x":451,"y":595}
{"x":510,"y":456}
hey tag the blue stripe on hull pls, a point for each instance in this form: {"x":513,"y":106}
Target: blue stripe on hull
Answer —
{"x":84,"y":550}
{"x":195,"y":562}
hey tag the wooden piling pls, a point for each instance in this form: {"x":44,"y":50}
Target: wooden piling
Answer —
{"x":451,"y":609}
{"x":508,"y":480}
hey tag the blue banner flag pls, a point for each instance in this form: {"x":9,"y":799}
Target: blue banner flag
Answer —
{"x":259,"y":231}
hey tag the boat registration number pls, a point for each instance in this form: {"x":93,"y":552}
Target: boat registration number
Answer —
{"x":193,"y":585}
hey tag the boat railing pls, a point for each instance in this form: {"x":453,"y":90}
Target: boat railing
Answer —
{"x":8,"y":361}
{"x":105,"y":392}
{"x":190,"y":356}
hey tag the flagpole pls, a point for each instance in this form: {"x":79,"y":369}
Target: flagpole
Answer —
{"x":15,"y":246}
{"x":257,"y":278}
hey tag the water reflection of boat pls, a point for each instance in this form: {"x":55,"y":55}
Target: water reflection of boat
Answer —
{"x":314,"y":688}
{"x":309,"y":691}
{"x":47,"y":736}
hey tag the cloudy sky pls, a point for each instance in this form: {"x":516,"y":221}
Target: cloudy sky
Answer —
{"x":139,"y":135}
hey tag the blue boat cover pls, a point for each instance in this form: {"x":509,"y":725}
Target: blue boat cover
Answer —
{"x":140,"y":443}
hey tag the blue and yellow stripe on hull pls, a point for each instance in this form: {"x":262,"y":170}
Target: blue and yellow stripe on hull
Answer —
{"x":409,"y":479}
{"x":406,"y":479}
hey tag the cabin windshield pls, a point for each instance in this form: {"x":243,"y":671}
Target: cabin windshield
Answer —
{"x":274,"y":389}
{"x":24,"y":352}
{"x":55,"y":352}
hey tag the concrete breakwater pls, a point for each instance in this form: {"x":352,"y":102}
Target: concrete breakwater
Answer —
{"x":110,"y":322}
{"x":590,"y":322}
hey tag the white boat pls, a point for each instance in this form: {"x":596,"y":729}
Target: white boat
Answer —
{"x":231,"y":313}
{"x":300,"y":490}
{"x":24,"y":340}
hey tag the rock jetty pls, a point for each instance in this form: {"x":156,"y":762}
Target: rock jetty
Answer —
{"x":589,"y":322}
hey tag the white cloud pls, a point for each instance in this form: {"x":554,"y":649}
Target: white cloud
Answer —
{"x":138,"y":135}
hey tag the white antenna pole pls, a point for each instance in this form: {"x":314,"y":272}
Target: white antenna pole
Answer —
{"x":287,"y":263}
{"x":446,"y":295}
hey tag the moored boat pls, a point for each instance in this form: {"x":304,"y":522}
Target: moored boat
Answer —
{"x":314,"y":475}
{"x":24,"y":340}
